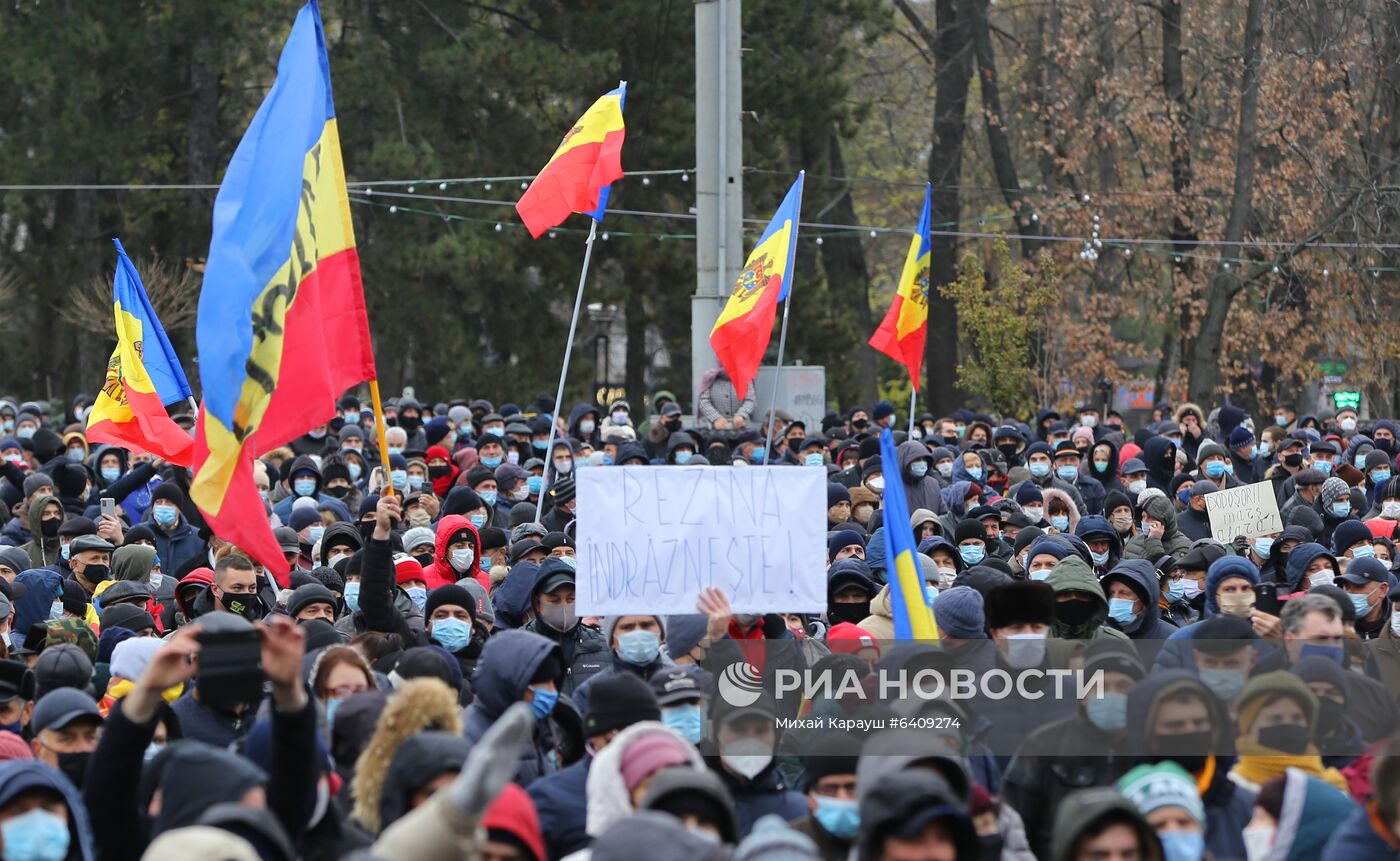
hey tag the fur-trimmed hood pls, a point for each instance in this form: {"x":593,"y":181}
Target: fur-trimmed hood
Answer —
{"x":421,"y":704}
{"x":608,"y":798}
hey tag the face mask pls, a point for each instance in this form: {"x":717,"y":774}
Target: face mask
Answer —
{"x":304,"y":486}
{"x":1191,"y":588}
{"x":315,"y":533}
{"x":1365,"y":551}
{"x":165,"y":515}
{"x":64,"y":551}
{"x":1291,"y":738}
{"x":543,"y":702}
{"x":1136,"y":487}
{"x":560,"y":617}
{"x":156,"y":579}
{"x":876,"y":483}
{"x":586,"y":426}
{"x":35,"y":836}
{"x":395,"y":449}
{"x":1361,"y":603}
{"x":950,"y":442}
{"x":1322,"y":578}
{"x":1123,"y":523}
{"x":1238,"y":604}
{"x":1293,"y":460}
{"x":96,"y":573}
{"x":1176,"y":589}
{"x":1034,"y":514}
{"x":1024,"y":651}
{"x":758,"y":454}
{"x":1224,"y":683}
{"x":638,"y":648}
{"x":112,"y":473}
{"x":1341,"y":509}
{"x":1100,"y":559}
{"x":15,"y":458}
{"x":355,"y":471}
{"x":619,"y":417}
{"x":56,"y":610}
{"x":418,"y":595}
{"x":416,"y":482}
{"x":331,"y":705}
{"x":1067,"y":473}
{"x":1323,"y":466}
{"x":916,"y":434}
{"x":563,"y":467}
{"x":945,"y":469}
{"x":461,"y":559}
{"x":930,"y":593}
{"x":25,"y":432}
{"x":687,"y":720}
{"x":74,"y":766}
{"x":973,"y":472}
{"x":452,"y":634}
{"x":747,"y":758}
{"x":491,"y":462}
{"x":1380,"y":476}
{"x":1347,"y":425}
{"x":352,"y":596}
{"x":1258,"y":842}
{"x":1041,"y":574}
{"x":946,"y":576}
{"x":74,"y":455}
{"x":1060,"y":522}
{"x":684,"y":455}
{"x":1229,"y":467}
{"x":1008,"y":450}
{"x":1262,"y":546}
{"x":1184,"y":496}
{"x":1120,"y":610}
{"x":1335,"y":654}
{"x":809,"y":460}
{"x":1039,"y":469}
{"x":1109,"y":712}
{"x":1215,"y":468}
{"x":1183,"y":845}
{"x":840,"y":817}
{"x":972,"y":553}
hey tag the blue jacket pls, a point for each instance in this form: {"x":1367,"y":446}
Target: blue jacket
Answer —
{"x":178,"y":547}
{"x":507,"y":664}
{"x":1356,"y":839}
{"x":561,"y":801}
{"x":580,"y":694}
{"x":767,"y":793}
{"x":20,"y":776}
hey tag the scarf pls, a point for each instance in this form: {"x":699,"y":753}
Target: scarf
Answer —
{"x":1259,"y":764}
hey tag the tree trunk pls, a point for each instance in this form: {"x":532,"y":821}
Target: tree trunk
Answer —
{"x":1206,"y":352}
{"x":952,"y":63}
{"x":848,"y":280}
{"x":636,"y":321}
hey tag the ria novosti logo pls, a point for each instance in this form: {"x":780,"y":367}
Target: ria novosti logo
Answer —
{"x":740,"y":685}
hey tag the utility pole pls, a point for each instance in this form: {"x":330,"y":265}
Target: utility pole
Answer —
{"x":719,"y":173}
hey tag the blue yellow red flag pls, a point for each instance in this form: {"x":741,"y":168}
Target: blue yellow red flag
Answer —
{"x":741,"y":334}
{"x":282,"y":328}
{"x":901,"y":335}
{"x":143,"y":377}
{"x":579,"y":176}
{"x":913,"y":617}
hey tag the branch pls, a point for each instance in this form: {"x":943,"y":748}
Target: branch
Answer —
{"x":917,"y":23}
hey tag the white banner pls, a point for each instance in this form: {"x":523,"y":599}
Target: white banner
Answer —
{"x":1250,"y":511}
{"x":650,"y":538}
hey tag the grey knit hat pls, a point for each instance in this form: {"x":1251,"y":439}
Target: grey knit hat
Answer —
{"x":772,"y":839}
{"x":610,"y":622}
{"x":1333,"y":489}
{"x":958,"y":612}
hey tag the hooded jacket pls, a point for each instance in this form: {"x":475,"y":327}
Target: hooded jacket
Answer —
{"x":920,"y":492}
{"x":1085,"y":809}
{"x":594,"y":437}
{"x":420,"y":705}
{"x":43,"y":585}
{"x":953,"y":505}
{"x":441,"y":572}
{"x":42,"y":549}
{"x":418,"y":761}
{"x":584,"y":648}
{"x":342,"y":533}
{"x":303,"y":463}
{"x":1159,"y":456}
{"x":1072,"y":574}
{"x":1299,"y":559}
{"x":560,"y":799}
{"x":1171,"y":543}
{"x":508,"y":663}
{"x":893,"y":801}
{"x":1055,"y":493}
{"x":1141,"y":577}
{"x":608,"y":800}
{"x":20,"y":776}
{"x":1357,"y":838}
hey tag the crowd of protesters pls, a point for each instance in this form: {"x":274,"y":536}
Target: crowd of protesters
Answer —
{"x":420,"y":686}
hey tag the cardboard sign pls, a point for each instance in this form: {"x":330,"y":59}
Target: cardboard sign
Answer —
{"x":650,"y":538}
{"x":1250,"y":511}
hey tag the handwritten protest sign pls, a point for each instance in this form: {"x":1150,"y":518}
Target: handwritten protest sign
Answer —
{"x":1249,"y":511}
{"x":651,"y":537}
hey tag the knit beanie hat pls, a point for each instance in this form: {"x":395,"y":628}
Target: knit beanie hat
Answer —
{"x":618,"y":701}
{"x":772,"y":839}
{"x":829,"y":753}
{"x":837,"y":493}
{"x":649,"y":754}
{"x":416,"y":536}
{"x":449,"y":594}
{"x":1268,"y":687}
{"x":959,"y":613}
{"x":1166,"y":784}
{"x":1333,"y":489}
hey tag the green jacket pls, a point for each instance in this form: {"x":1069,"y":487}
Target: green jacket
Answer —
{"x":1172,"y":541}
{"x":1073,"y":574}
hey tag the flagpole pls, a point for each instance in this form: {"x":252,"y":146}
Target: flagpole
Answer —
{"x":782,"y":336}
{"x":913,"y":405}
{"x":381,"y":433}
{"x":564,"y":371}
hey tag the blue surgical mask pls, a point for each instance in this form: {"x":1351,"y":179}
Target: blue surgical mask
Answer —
{"x":1215,"y":468}
{"x":1176,"y":589}
{"x":491,"y":462}
{"x":815,"y":459}
{"x":1100,"y":559}
{"x":1067,"y":473}
{"x":1335,"y":654}
{"x":1365,"y":551}
{"x":74,"y":455}
{"x":1038,"y":469}
{"x":452,"y":634}
{"x":35,"y":836}
{"x":607,"y":460}
{"x":1224,"y":683}
{"x":759,"y":452}
{"x":972,"y":553}
{"x":1360,"y":461}
{"x":1361,"y":603}
{"x":1341,"y":509}
{"x":1264,"y":449}
{"x":1229,"y":467}
{"x":919,"y":469}
{"x":394,"y":449}
{"x":543,"y":703}
{"x":304,"y":486}
{"x":399,"y":478}
{"x":416,"y":482}
{"x":64,"y":551}
{"x":534,"y":484}
{"x":56,"y":610}
{"x":973,"y":472}
{"x":683,"y":456}
{"x":1060,"y":522}
{"x":1120,"y":610}
{"x":839,"y":817}
{"x":165,"y":514}
{"x":111,"y":473}
{"x":638,"y":647}
{"x":945,"y":469}
{"x":688,"y":720}
{"x":1323,"y":466}
{"x":1042,"y":574}
{"x":152,"y":751}
{"x":930,"y":593}
{"x":478,"y":520}
{"x":1108,"y":712}
{"x":355,"y":470}
{"x":489,"y":497}
{"x":539,"y":444}
{"x":26,"y":432}
{"x":315,"y":533}
{"x":155,"y":580}
{"x":331,"y":705}
{"x":1184,"y":496}
{"x":1380,"y":476}
{"x":1182,"y":845}
{"x":1262,"y":546}
{"x":496,"y":431}
{"x":418,"y":595}
{"x":352,"y":596}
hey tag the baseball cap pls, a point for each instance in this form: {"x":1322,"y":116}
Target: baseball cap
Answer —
{"x":61,"y":707}
{"x":287,"y":539}
{"x":1367,"y":570}
{"x":675,"y":685}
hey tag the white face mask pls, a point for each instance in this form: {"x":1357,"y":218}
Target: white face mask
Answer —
{"x":1258,"y":843}
{"x":1395,"y":623}
{"x":1136,"y":487}
{"x":564,"y":467}
{"x":876,"y":483}
{"x":1322,"y":578}
{"x":747,"y":758}
{"x":336,"y":557}
{"x":462,"y":559}
{"x":619,"y":417}
{"x":1024,"y":651}
{"x":586,"y":426}
{"x":1390,"y":509}
{"x":946,"y":576}
{"x":1088,"y":421}
{"x":1034,"y":514}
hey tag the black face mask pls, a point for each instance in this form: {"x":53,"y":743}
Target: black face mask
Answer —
{"x":950,"y":441}
{"x":339,"y":492}
{"x":673,"y":425}
{"x":438,"y":471}
{"x":366,"y":528}
{"x":409,"y":423}
{"x":1290,"y":738}
{"x":1008,"y":449}
{"x":1187,"y":749}
{"x":989,"y":847}
{"x":860,"y":424}
{"x":50,"y":527}
{"x":74,"y":766}
{"x":1385,"y":445}
{"x":1293,"y":461}
{"x":1331,"y":716}
{"x":853,"y":613}
{"x":249,"y":607}
{"x":1074,"y":613}
{"x":96,"y":573}
{"x":424,"y":559}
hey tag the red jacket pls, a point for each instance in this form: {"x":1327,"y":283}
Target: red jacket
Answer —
{"x":441,"y":573}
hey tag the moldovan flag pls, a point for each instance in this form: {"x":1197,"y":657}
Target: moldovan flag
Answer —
{"x":741,"y":334}
{"x":143,"y":377}
{"x":580,"y":174}
{"x":902,"y":333}
{"x":282,"y":328}
{"x":913,"y":617}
